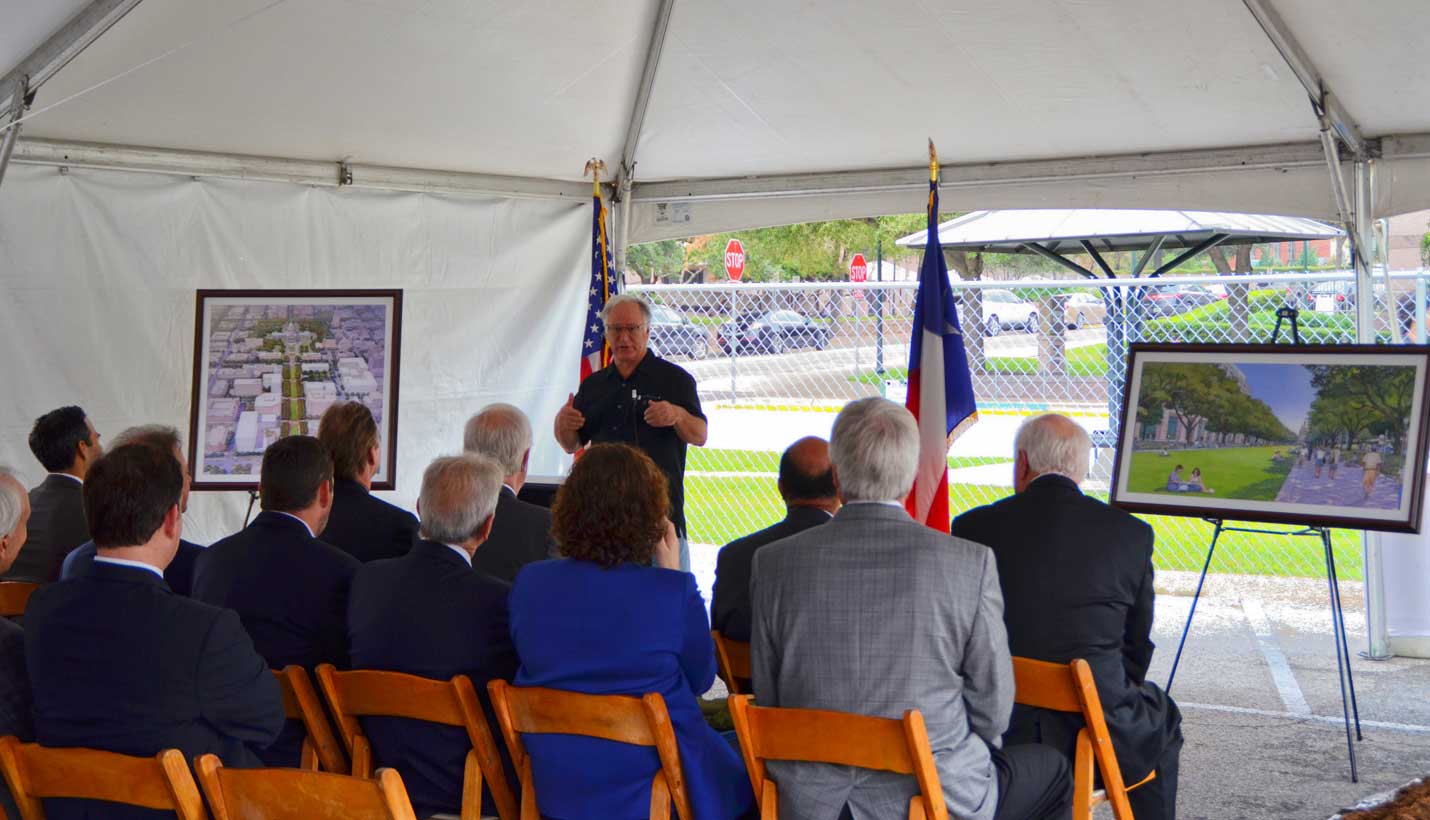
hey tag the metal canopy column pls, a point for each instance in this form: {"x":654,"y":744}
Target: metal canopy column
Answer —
{"x":12,"y":132}
{"x":626,"y":171}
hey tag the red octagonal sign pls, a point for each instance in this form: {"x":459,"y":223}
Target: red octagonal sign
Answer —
{"x":735,"y":259}
{"x":858,"y":269}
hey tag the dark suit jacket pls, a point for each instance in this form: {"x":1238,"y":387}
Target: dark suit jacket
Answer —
{"x":291,"y":592}
{"x":57,"y":525}
{"x":520,"y":535}
{"x":1077,"y":583}
{"x":428,"y":613}
{"x":179,"y":575}
{"x":366,"y":527}
{"x":730,"y":602}
{"x":15,"y":716}
{"x":118,"y":662}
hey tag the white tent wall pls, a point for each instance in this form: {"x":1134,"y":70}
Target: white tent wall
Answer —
{"x":98,"y":271}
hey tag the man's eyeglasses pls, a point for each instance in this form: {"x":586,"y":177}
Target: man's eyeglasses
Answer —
{"x":624,"y":330}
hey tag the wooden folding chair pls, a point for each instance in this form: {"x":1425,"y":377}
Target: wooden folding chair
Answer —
{"x":321,"y":750}
{"x":639,"y":721}
{"x":35,"y":772}
{"x":1069,"y":687}
{"x":369,"y":693}
{"x":299,"y":794}
{"x":13,"y":597}
{"x":733,"y":660}
{"x":816,"y":736}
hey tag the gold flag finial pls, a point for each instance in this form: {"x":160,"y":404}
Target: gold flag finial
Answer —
{"x":933,"y":162}
{"x":594,"y":167}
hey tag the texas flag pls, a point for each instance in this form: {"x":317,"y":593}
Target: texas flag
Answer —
{"x":940,"y":386}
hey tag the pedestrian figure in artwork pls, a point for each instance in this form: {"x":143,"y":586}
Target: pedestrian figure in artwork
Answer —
{"x":1320,"y":460}
{"x":1371,"y":463}
{"x":1335,"y":460}
{"x":1194,"y":484}
{"x":1174,"y":481}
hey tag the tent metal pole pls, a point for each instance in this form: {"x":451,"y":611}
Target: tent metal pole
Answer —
{"x":647,"y":82}
{"x":64,"y":45}
{"x":12,"y":134}
{"x":1060,"y":259}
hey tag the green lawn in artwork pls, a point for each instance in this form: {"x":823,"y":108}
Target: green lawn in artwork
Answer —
{"x":1242,"y":473}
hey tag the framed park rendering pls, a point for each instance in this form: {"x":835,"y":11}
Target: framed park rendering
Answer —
{"x":268,"y":363}
{"x":1314,"y":435}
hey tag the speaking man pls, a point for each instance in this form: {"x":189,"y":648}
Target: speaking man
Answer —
{"x":639,"y":399}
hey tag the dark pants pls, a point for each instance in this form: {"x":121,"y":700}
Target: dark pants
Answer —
{"x":1158,"y":800}
{"x":1034,"y":783}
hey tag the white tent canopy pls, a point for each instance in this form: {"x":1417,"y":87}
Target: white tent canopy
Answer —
{"x":756,"y":113}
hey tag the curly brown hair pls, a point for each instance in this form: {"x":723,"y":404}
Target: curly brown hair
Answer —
{"x":612,"y":508}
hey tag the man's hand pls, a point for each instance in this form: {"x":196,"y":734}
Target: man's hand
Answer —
{"x":663,"y":414}
{"x":569,"y":422}
{"x":667,"y":549}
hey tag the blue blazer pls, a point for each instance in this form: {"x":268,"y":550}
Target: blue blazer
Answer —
{"x":429,"y":613}
{"x":290,"y":590}
{"x":179,"y":575}
{"x":119,"y":662}
{"x":626,"y":630}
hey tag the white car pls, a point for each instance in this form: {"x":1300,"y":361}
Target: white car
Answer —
{"x":1003,"y":310}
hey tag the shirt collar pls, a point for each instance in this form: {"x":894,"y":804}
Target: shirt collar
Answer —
{"x":508,"y":488}
{"x":71,"y":477}
{"x":125,"y":562}
{"x":466,"y":556}
{"x":296,"y":518}
{"x":895,"y":504}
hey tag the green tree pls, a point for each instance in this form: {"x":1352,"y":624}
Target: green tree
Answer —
{"x":1425,"y":248}
{"x":658,"y":261}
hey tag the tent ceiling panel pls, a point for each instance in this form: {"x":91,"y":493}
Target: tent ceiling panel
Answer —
{"x":773,"y":88}
{"x":526,"y":89}
{"x":24,"y":26}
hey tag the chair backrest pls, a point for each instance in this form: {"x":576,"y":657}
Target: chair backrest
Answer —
{"x":817,"y":736}
{"x":300,"y":702}
{"x":640,"y":721}
{"x":1069,"y":687}
{"x":160,"y":782}
{"x":13,"y":597}
{"x":370,"y":693}
{"x":299,"y":794}
{"x":733,"y":659}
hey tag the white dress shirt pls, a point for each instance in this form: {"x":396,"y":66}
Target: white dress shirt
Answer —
{"x":466,"y":556}
{"x":125,"y":562}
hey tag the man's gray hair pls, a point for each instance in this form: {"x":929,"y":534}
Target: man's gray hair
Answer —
{"x":12,"y":501}
{"x":875,"y":450}
{"x":1056,"y":445}
{"x":625,"y":299}
{"x":459,"y":493}
{"x":500,"y":431}
{"x":158,"y":435}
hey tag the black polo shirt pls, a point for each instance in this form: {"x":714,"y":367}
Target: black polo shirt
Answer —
{"x":615,"y":412}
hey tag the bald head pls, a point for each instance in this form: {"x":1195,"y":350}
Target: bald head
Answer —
{"x":807,"y":475}
{"x":14,"y":516}
{"x":1050,"y":444}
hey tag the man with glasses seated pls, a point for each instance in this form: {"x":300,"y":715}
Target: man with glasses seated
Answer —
{"x":639,"y":399}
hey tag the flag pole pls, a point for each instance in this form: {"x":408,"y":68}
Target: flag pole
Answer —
{"x":933,"y":163}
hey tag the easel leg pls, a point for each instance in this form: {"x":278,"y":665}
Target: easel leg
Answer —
{"x":1342,"y":662}
{"x":1195,"y":597}
{"x":1341,"y":616}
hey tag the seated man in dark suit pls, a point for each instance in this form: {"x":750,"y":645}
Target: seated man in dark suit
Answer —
{"x":429,"y":613}
{"x":289,"y":589}
{"x":14,"y":682}
{"x":1077,"y":583}
{"x":66,"y":444}
{"x":180,"y":572}
{"x":522,"y":532}
{"x":362,"y":525}
{"x":119,"y":662}
{"x":807,"y":485}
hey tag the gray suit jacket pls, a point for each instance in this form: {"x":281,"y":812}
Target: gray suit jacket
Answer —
{"x":875,"y":613}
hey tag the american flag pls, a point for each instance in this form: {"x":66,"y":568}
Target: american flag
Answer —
{"x":595,"y":353}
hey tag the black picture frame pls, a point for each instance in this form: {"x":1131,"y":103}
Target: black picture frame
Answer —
{"x":199,"y":423}
{"x":1406,"y":517}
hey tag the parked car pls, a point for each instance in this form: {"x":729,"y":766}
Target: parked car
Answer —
{"x":771,"y":332}
{"x":1170,"y":300}
{"x":1331,"y":297}
{"x":1003,"y":310}
{"x":673,"y":334}
{"x":1082,"y":309}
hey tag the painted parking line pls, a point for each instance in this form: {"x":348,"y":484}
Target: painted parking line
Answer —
{"x":1281,"y":674}
{"x":1333,"y":721}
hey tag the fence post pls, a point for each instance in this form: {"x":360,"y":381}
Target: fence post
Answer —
{"x":734,"y":344}
{"x":879,"y":319}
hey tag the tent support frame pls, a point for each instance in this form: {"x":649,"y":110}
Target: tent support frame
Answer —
{"x":12,"y":134}
{"x":64,"y":45}
{"x":627,"y":168}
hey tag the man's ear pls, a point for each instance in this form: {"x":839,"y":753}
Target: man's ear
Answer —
{"x":525,"y":459}
{"x":838,"y":490}
{"x":173,"y":522}
{"x":486,"y":531}
{"x":325,"y":494}
{"x":373,"y":457}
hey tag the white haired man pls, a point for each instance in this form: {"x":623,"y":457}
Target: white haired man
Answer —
{"x":1077,"y":583}
{"x":875,"y":613}
{"x":639,"y":399}
{"x":14,"y":682}
{"x":521,"y":533}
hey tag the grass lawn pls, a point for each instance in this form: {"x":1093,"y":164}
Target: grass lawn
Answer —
{"x":1245,"y":473}
{"x":720,"y":509}
{"x":1090,"y":360}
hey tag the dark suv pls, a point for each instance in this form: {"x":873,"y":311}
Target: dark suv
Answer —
{"x":772,"y":331}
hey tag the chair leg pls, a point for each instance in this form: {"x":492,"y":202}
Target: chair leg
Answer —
{"x":916,"y":808}
{"x":659,"y":798}
{"x":1082,"y":778}
{"x":769,"y":801}
{"x":309,"y":758}
{"x":472,"y":789}
{"x":529,"y":810}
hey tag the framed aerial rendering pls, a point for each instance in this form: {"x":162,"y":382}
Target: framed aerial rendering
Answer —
{"x":268,"y":363}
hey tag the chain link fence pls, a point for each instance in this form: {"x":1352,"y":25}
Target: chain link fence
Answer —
{"x":776,"y":362}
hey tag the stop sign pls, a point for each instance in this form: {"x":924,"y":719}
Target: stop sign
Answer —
{"x":735,"y":259}
{"x":858,"y":269}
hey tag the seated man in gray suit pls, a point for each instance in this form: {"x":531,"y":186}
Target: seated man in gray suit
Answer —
{"x":875,"y":613}
{"x":521,"y":533}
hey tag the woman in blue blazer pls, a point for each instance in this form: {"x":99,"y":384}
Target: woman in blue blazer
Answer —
{"x":601,"y":620}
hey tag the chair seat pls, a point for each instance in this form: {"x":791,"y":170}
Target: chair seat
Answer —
{"x":445,"y":816}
